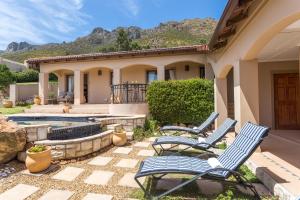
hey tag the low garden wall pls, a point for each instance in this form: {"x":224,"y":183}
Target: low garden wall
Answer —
{"x":73,"y":148}
{"x":26,"y":91}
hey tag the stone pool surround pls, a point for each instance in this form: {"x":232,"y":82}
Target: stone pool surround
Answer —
{"x":73,"y":148}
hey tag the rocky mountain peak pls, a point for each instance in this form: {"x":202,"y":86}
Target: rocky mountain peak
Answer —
{"x":15,"y":46}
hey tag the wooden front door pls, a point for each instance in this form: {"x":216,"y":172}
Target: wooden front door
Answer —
{"x":286,"y":100}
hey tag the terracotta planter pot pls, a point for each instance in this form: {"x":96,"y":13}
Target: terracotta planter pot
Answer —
{"x":37,"y":100}
{"x":7,"y":104}
{"x":36,"y":162}
{"x":67,"y":108}
{"x":119,"y":139}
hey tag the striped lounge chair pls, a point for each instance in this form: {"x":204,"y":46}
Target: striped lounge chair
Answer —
{"x":202,"y":129}
{"x":200,"y":143}
{"x":218,"y":169}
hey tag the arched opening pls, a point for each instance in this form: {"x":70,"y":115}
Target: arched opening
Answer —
{"x":97,"y":83}
{"x":62,"y":89}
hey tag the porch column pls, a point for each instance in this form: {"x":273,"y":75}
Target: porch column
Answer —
{"x":161,"y":73}
{"x":220,"y":87}
{"x":78,"y":87}
{"x":116,"y":76}
{"x":246,"y":92}
{"x":43,"y":87}
{"x":209,"y":72}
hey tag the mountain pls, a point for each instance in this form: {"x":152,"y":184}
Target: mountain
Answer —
{"x":168,"y":34}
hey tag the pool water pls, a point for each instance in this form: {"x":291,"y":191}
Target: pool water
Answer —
{"x":53,"y":121}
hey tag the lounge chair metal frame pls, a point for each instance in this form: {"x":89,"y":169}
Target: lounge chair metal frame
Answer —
{"x":197,"y":145}
{"x":205,"y":175}
{"x":202,"y":131}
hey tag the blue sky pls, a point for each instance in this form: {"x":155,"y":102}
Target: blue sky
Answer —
{"x":44,"y":21}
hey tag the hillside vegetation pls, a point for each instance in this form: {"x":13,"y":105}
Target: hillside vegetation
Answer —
{"x":169,"y":34}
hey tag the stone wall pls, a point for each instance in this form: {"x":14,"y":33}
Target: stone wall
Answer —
{"x":128,"y":123}
{"x":73,"y":148}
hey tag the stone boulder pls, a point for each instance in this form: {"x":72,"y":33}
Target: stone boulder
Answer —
{"x":12,"y":140}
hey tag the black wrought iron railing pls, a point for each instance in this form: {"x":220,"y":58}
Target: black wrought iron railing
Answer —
{"x":129,"y":93}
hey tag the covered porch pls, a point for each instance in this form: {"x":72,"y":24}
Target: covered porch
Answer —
{"x":121,"y":81}
{"x":257,"y":79}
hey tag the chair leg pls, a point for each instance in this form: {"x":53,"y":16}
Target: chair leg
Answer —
{"x":246,"y":184}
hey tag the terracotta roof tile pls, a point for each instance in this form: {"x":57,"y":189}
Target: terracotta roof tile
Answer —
{"x":158,"y":51}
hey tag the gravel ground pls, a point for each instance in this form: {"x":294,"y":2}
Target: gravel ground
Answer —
{"x":45,"y":183}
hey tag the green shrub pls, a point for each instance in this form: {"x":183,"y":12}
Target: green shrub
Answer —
{"x":6,"y":77}
{"x":30,"y":75}
{"x":181,"y":101}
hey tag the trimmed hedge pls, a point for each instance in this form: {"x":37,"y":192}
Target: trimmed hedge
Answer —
{"x":30,"y":75}
{"x":181,"y":101}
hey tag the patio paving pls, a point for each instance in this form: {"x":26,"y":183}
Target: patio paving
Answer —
{"x":100,"y":161}
{"x":107,"y":175}
{"x":127,"y":163}
{"x":57,"y":194}
{"x":99,"y":177}
{"x":19,"y":192}
{"x":68,"y":174}
{"x":93,"y":196}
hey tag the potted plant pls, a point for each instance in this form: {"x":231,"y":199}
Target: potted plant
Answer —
{"x":67,"y":107}
{"x":38,"y":158}
{"x":120,"y":138}
{"x":7,"y":103}
{"x":37,"y":100}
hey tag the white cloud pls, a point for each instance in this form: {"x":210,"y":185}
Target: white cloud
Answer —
{"x":131,"y":6}
{"x":39,"y":21}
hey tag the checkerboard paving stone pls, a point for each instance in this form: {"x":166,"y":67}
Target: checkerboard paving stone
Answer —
{"x":142,"y":144}
{"x":123,"y":150}
{"x":127,"y":163}
{"x":167,"y":183}
{"x":128,"y":180}
{"x":146,"y":153}
{"x":152,"y":139}
{"x":93,"y":196}
{"x":100,"y":161}
{"x":99,"y":177}
{"x":68,"y":174}
{"x":57,"y":194}
{"x":19,"y":192}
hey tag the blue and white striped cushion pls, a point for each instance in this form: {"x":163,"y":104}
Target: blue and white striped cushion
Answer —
{"x":211,"y":139}
{"x":208,"y":121}
{"x":179,"y":140}
{"x":176,"y":164}
{"x":221,"y":131}
{"x":246,"y":141}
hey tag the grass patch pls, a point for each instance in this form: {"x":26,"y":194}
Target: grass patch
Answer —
{"x":192,"y":191}
{"x":14,"y":110}
{"x":248,"y":174}
{"x":222,"y":145}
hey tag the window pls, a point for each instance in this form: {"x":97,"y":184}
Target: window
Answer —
{"x":151,"y":76}
{"x":202,"y":71}
{"x":170,"y":74}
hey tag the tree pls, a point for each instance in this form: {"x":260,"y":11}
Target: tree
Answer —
{"x":123,"y":41}
{"x":6,"y":77}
